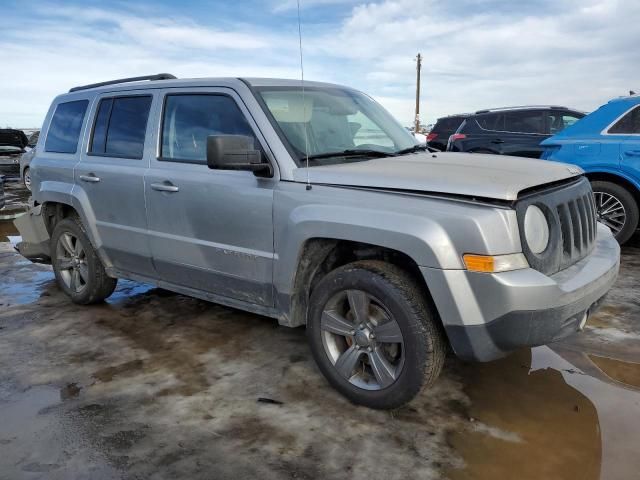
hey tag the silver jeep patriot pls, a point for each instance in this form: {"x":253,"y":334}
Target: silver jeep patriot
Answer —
{"x":310,"y":204}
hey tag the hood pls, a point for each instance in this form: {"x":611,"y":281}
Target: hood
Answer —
{"x":470,"y":174}
{"x":13,"y":138}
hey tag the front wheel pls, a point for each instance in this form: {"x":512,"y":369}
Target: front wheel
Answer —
{"x":616,"y":208}
{"x":374,"y":335}
{"x":78,"y":270}
{"x":26,"y":178}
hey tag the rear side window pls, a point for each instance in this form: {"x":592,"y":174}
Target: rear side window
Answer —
{"x":120,"y":127}
{"x":629,"y":124}
{"x":492,"y":121}
{"x":531,"y":121}
{"x":64,"y":130}
{"x":189,"y":119}
{"x":449,"y":124}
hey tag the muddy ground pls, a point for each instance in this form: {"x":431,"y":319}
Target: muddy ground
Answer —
{"x":153,"y":384}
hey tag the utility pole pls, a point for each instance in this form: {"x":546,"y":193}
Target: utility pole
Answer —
{"x":418,"y":68}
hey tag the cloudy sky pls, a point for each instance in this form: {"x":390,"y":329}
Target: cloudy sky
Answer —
{"x":477,"y":53}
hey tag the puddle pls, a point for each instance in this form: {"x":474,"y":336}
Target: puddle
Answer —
{"x":624,"y":372}
{"x":127,"y":289}
{"x":23,"y":286}
{"x":7,"y":231}
{"x":550,"y":413}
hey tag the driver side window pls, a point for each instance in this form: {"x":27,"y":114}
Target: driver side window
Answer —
{"x":188,"y":120}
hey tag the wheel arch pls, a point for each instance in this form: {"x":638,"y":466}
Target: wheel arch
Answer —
{"x":319,"y":256}
{"x":618,"y":179}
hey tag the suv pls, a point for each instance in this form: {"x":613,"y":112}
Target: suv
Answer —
{"x":443,"y":129}
{"x":514,"y":131}
{"x":607,"y":145}
{"x":315,"y":207}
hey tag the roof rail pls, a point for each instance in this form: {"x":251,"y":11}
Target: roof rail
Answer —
{"x":520,"y":107}
{"x":157,"y":76}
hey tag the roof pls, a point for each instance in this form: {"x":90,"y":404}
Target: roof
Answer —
{"x":164,"y":80}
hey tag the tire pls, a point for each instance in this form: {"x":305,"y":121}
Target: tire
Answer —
{"x":85,"y":280}
{"x":602,"y":191}
{"x":394,"y":296}
{"x":26,"y":178}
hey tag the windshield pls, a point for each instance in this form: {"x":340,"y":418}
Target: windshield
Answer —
{"x":333,"y":125}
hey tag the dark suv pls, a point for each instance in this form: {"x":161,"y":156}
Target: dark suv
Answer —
{"x":443,"y":129}
{"x":511,"y":131}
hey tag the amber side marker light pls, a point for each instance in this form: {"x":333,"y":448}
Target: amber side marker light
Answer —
{"x":495,"y":263}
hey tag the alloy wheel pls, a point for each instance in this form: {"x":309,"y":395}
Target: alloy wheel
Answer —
{"x":71,"y":260}
{"x":27,"y":179}
{"x":610,"y":211}
{"x":362,"y":340}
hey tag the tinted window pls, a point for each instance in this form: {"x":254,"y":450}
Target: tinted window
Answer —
{"x":524,"y":121}
{"x":492,"y":121}
{"x":189,"y":119}
{"x":120,"y":126}
{"x":65,"y":127}
{"x":449,"y":124}
{"x":558,"y":121}
{"x":630,"y":123}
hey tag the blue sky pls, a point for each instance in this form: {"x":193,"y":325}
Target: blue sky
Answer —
{"x":478,"y":53}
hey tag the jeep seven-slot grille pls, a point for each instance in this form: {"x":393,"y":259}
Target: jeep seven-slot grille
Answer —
{"x":578,"y":227}
{"x":571,"y":215}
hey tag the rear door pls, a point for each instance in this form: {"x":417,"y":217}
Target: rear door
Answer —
{"x":629,"y":125}
{"x":110,"y":176}
{"x":210,"y":230}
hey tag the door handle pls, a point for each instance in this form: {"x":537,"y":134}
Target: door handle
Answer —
{"x":164,"y":187}
{"x":91,"y":178}
{"x":632,"y":153}
{"x":497,"y":140}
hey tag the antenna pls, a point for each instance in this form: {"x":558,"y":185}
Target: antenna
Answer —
{"x":304,"y":105}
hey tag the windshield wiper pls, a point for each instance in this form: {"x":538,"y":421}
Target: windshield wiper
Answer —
{"x":413,"y":149}
{"x":351,"y":153}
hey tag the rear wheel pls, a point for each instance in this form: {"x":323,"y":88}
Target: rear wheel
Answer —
{"x":374,"y":335}
{"x":78,"y":270}
{"x":616,"y":208}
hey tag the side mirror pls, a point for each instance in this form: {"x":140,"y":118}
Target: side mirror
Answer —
{"x":234,"y":152}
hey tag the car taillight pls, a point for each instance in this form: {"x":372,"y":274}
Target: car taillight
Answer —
{"x":457,"y":136}
{"x":432,"y":136}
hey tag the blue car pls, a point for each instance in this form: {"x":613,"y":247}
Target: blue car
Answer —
{"x":606,"y":144}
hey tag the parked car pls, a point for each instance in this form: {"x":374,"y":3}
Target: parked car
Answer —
{"x":2,"y":200}
{"x":514,"y":131}
{"x":250,"y":194}
{"x":606,"y":144}
{"x":12,"y":145}
{"x":25,"y":159}
{"x":445,"y":127}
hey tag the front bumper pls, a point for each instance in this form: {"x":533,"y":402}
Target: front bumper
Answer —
{"x":488,"y":315}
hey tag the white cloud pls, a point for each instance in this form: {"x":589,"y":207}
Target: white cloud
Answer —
{"x":477,"y":53}
{"x":578,"y":53}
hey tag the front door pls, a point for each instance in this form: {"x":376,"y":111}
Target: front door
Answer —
{"x":111,"y":177}
{"x":211,"y":230}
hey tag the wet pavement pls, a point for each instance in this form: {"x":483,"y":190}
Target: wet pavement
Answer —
{"x":153,"y":384}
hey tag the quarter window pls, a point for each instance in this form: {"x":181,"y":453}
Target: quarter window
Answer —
{"x":189,"y":119}
{"x":64,"y":130}
{"x":629,"y":124}
{"x":120,"y":127}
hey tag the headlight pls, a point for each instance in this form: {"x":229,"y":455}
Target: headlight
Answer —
{"x":536,"y":229}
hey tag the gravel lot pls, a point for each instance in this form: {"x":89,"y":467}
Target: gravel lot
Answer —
{"x":153,"y":384}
